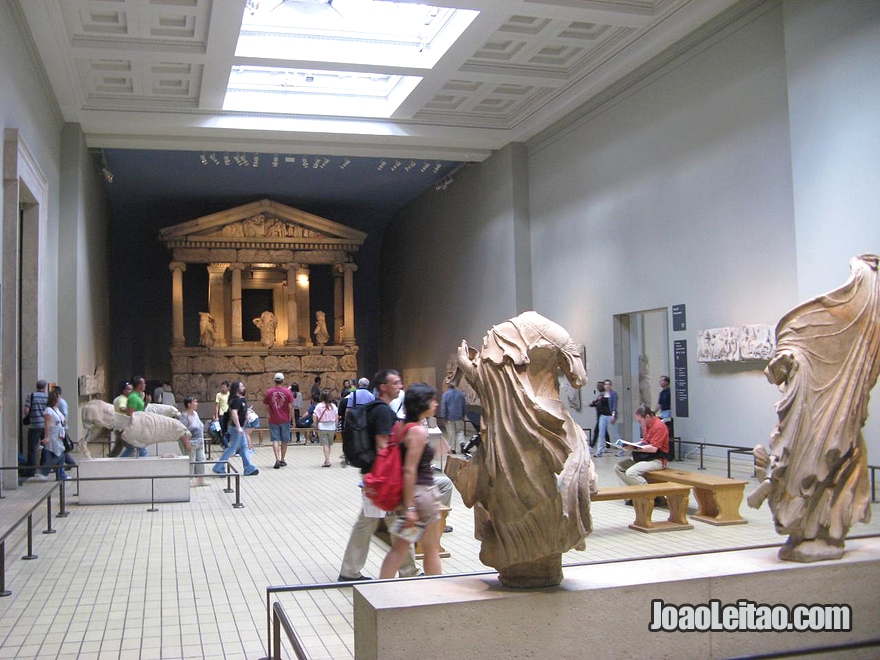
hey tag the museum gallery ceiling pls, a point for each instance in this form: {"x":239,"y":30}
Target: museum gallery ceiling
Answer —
{"x":158,"y":87}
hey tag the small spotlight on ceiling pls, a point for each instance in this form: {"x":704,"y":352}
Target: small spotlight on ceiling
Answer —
{"x":381,"y":165}
{"x":345,"y":163}
{"x":275,"y":160}
{"x":444,"y":183}
{"x":226,"y":159}
{"x":256,"y":161}
{"x":425,"y":167}
{"x":324,"y":163}
{"x":305,"y":162}
{"x":411,"y":165}
{"x":316,"y":162}
{"x":396,"y":165}
{"x":214,"y":159}
{"x":203,"y":159}
{"x":437,"y":167}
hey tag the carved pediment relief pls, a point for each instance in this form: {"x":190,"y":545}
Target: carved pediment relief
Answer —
{"x":264,"y":224}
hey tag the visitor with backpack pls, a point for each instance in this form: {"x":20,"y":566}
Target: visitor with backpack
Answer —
{"x":379,"y":422}
{"x":419,"y":507}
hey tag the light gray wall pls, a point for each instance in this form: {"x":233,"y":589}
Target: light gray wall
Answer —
{"x":833,"y":55}
{"x":678,"y":193}
{"x":27,"y":105}
{"x":451,"y":266}
{"x":83,"y":262}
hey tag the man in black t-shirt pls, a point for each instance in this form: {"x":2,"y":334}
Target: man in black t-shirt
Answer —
{"x":380,"y":421}
{"x":236,"y":429}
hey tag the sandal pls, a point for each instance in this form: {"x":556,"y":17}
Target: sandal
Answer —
{"x":326,"y":465}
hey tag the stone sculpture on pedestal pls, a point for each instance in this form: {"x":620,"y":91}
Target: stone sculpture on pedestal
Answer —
{"x":530,"y":482}
{"x":321,"y":334}
{"x":826,"y":362}
{"x":267,"y":324}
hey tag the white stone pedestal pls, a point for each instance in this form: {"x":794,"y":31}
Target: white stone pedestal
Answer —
{"x":604,"y":611}
{"x":131,"y":490}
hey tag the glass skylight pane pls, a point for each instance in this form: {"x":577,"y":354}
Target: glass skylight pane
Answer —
{"x":305,"y":92}
{"x":371,"y":32}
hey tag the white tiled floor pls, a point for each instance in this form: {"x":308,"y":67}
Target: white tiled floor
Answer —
{"x":189,"y":580}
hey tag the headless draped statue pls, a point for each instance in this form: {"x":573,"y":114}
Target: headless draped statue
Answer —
{"x":826,"y":362}
{"x":530,"y":482}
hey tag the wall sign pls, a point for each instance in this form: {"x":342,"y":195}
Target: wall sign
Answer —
{"x":679,"y":318}
{"x":680,"y":374}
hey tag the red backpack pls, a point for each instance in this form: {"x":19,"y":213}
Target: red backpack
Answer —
{"x":383,"y":485}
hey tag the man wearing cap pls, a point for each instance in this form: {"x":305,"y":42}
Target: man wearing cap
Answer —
{"x":279,"y":403}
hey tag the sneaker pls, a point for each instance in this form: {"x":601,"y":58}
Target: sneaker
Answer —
{"x":221,"y":470}
{"x":345,"y":578}
{"x":252,"y":474}
{"x":41,"y":477}
{"x":283,"y":463}
{"x":277,"y":465}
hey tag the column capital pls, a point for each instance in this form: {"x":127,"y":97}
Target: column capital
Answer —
{"x":177,"y":265}
{"x":217,"y":269}
{"x":350,"y":266}
{"x":237,"y":266}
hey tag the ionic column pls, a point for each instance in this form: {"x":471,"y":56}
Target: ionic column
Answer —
{"x":348,"y":291}
{"x":217,"y":301}
{"x":292,"y":336}
{"x":177,"y":268}
{"x":303,"y":314}
{"x":338,"y":319}
{"x":236,"y":303}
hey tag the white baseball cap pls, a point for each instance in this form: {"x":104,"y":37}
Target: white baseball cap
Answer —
{"x":279,"y":377}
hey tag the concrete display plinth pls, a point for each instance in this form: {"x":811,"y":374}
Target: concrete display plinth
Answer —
{"x":605,"y":610}
{"x":129,"y":489}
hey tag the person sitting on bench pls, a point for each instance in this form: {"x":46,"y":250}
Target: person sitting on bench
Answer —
{"x":651,"y":454}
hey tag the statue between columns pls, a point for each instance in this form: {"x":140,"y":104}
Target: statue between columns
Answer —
{"x":322,"y":336}
{"x":267,"y":324}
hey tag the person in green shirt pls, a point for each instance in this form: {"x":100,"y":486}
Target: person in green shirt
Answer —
{"x":135,"y":404}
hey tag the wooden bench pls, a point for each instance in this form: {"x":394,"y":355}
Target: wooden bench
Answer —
{"x":642,"y":497}
{"x":719,"y":498}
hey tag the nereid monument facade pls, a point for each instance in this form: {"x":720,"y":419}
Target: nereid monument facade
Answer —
{"x":269,"y":246}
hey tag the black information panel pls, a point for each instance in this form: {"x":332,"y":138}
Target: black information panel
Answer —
{"x":679,"y":318}
{"x":680,"y":360}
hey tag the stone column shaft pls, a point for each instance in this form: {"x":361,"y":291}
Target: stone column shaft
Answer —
{"x":338,"y":305}
{"x":292,"y":335}
{"x":348,"y":288}
{"x":177,"y":338}
{"x":236,"y":303}
{"x":217,"y":301}
{"x":303,"y":313}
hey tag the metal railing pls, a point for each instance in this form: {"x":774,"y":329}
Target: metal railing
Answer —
{"x":28,"y":515}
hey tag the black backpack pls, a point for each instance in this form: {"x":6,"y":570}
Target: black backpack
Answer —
{"x":358,"y":443}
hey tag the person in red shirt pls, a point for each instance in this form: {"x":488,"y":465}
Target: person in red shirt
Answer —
{"x":279,"y":403}
{"x":651,"y":454}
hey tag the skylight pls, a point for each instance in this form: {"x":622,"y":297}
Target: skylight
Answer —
{"x":376,"y":44}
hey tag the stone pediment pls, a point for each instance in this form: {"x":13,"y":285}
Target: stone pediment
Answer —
{"x":264,"y":224}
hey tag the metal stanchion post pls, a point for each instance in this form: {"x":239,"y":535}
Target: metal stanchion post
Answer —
{"x":237,"y":504}
{"x":228,"y":488}
{"x":276,"y":636}
{"x":49,"y":529}
{"x":62,"y":496}
{"x":3,"y":590}
{"x":152,"y":508}
{"x":30,"y":539}
{"x":701,"y":457}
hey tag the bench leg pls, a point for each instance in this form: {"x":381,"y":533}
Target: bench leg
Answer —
{"x":644,"y":507}
{"x":678,"y":509}
{"x":722,"y":506}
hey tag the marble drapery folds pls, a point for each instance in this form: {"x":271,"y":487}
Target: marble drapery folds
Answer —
{"x":530,"y":482}
{"x":826,"y":362}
